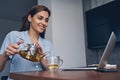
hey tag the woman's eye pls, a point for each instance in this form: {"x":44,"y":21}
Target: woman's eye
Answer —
{"x":40,"y":18}
{"x":46,"y":20}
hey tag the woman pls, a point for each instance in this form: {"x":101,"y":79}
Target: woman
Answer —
{"x":34,"y":23}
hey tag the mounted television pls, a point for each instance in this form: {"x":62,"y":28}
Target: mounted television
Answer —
{"x":100,"y":22}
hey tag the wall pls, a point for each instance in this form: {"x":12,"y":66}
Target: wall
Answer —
{"x":15,"y":9}
{"x":67,"y":31}
{"x":7,"y":26}
{"x":96,"y":3}
{"x":90,"y":4}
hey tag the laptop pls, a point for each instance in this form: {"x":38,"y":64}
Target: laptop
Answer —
{"x":103,"y":61}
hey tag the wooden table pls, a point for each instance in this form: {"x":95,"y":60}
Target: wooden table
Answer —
{"x":66,"y":75}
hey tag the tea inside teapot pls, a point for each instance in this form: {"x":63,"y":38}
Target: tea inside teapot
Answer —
{"x":31,"y":53}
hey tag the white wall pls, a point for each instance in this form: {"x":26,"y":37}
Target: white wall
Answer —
{"x":47,"y":3}
{"x":67,"y":31}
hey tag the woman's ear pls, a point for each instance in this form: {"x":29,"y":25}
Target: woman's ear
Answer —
{"x":29,"y":18}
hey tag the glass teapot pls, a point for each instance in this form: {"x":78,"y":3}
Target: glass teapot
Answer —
{"x":31,"y":52}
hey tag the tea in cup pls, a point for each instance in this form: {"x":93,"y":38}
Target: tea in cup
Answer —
{"x":53,"y":62}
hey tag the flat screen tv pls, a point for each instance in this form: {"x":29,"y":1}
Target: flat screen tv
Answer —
{"x":100,"y":22}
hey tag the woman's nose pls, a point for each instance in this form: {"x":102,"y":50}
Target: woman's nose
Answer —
{"x":43,"y":22}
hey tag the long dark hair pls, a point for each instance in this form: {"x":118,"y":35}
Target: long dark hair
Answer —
{"x":35,"y":9}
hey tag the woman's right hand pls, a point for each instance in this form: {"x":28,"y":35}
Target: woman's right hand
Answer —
{"x":12,"y":48}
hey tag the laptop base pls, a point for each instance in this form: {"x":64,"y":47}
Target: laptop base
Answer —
{"x":106,"y":70}
{"x":80,"y":68}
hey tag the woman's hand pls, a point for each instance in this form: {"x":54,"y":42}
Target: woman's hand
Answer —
{"x":12,"y":48}
{"x":39,"y":48}
{"x":42,"y":59}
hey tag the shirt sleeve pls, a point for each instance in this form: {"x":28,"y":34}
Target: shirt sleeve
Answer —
{"x":9,"y":38}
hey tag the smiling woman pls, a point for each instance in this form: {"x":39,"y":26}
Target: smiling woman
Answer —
{"x":36,"y":21}
{"x":40,"y":20}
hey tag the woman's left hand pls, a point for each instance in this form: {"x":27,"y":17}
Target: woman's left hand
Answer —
{"x":42,"y":60}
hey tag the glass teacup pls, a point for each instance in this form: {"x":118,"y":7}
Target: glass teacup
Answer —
{"x":53,"y":63}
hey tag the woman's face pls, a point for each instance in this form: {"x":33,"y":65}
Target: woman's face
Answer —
{"x":39,"y":21}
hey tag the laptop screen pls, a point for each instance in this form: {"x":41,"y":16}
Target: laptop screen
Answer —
{"x":108,"y":49}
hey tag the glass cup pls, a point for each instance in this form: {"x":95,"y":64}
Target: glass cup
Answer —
{"x":53,"y":63}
